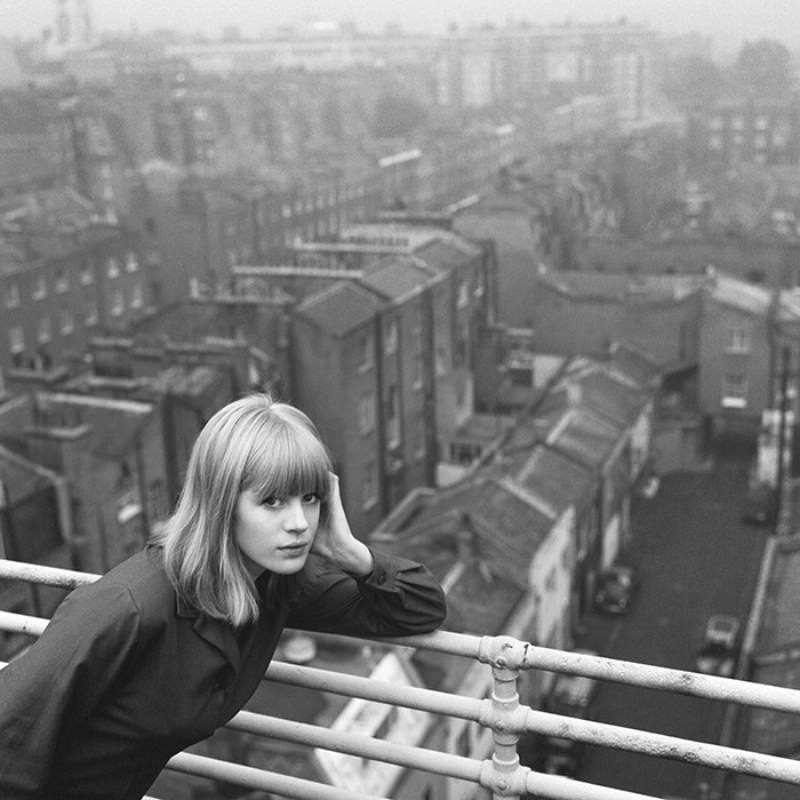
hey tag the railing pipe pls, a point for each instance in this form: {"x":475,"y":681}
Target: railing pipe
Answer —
{"x":648,"y":676}
{"x":382,"y":692}
{"x":51,"y":576}
{"x":263,"y":780}
{"x":357,"y":744}
{"x":663,"y":746}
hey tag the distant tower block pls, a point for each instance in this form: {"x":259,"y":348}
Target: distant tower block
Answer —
{"x":73,"y":28}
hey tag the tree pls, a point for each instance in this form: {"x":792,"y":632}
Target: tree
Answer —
{"x":764,"y":66}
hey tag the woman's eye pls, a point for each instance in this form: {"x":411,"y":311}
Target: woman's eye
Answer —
{"x":311,"y":498}
{"x":272,"y":502}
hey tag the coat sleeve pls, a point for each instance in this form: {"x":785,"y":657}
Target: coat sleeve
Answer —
{"x":59,"y":680}
{"x":398,"y":597}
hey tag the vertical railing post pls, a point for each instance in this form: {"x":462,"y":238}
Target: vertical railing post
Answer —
{"x":505,"y":702}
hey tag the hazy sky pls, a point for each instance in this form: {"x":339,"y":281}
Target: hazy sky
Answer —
{"x":730,"y":21}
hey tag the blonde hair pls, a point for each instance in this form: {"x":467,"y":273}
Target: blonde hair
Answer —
{"x":272,"y":449}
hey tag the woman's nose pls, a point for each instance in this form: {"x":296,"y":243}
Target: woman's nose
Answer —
{"x":296,"y":515}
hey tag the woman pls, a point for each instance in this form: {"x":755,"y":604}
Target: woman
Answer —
{"x":170,"y":644}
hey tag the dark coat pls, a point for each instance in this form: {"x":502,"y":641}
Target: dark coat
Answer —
{"x":125,"y":676}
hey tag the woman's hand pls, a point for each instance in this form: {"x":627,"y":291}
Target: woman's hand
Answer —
{"x":335,"y":540}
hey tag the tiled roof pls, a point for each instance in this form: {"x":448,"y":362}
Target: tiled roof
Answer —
{"x":447,"y":250}
{"x":480,"y":517}
{"x":587,"y":438}
{"x":633,"y":362}
{"x":739,"y":294}
{"x":612,"y":398}
{"x":398,"y":277}
{"x":557,"y":479}
{"x":340,"y":308}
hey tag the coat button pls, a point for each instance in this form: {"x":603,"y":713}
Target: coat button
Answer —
{"x":381,"y":579}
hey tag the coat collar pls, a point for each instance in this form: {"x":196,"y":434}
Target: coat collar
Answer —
{"x":217,"y":633}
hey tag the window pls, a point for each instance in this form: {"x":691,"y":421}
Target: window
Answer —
{"x":737,"y":340}
{"x":87,"y":274}
{"x":137,"y":296}
{"x":117,"y":303}
{"x":62,"y":281}
{"x":734,"y":390}
{"x":44,"y":330}
{"x":12,"y":295}
{"x":90,"y":317}
{"x":16,"y":339}
{"x":417,"y":372}
{"x":392,"y":419}
{"x":131,"y":261}
{"x":67,"y":323}
{"x":390,"y":337}
{"x":366,"y":415}
{"x":463,"y":294}
{"x":365,"y":356}
{"x":39,"y":288}
{"x":441,"y":361}
{"x":112,"y":267}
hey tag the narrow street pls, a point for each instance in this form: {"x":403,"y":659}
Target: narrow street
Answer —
{"x":696,"y":558}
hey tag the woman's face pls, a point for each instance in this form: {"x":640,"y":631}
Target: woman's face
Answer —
{"x":275,"y":533}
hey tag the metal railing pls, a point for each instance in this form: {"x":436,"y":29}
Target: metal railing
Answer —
{"x":500,"y":775}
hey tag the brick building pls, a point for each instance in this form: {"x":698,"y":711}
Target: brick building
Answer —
{"x":64,"y":276}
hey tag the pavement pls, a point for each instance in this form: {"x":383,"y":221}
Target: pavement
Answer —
{"x":772,"y":655}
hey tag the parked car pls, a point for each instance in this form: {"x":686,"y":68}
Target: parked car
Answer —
{"x":717,"y":655}
{"x":615,"y":588}
{"x":759,"y":505}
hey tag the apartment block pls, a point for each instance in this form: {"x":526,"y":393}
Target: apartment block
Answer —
{"x":65,"y":276}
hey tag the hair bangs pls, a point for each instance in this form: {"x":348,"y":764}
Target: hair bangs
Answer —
{"x":295,"y":462}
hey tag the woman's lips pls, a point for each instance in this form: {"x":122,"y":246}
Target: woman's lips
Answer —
{"x":293,"y":549}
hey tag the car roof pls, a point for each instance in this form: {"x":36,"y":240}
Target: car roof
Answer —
{"x":722,"y":622}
